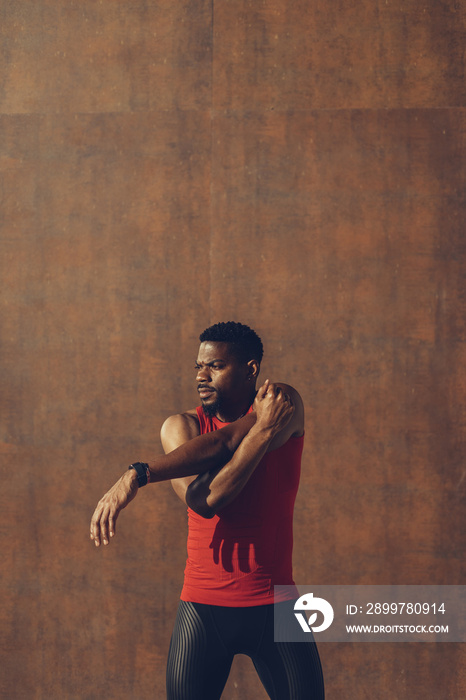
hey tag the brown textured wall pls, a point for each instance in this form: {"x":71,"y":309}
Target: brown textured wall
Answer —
{"x":299,"y":167}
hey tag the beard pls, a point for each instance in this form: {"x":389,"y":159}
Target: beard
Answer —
{"x":210,"y":409}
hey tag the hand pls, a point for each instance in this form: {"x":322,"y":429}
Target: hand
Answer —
{"x":108,"y":508}
{"x":273,"y":406}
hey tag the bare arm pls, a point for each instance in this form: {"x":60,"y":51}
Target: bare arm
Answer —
{"x":278,"y":418}
{"x":198,"y":455}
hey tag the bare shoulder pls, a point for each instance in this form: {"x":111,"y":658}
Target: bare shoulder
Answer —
{"x":179,"y":428}
{"x":289,"y":389}
{"x":175,"y":431}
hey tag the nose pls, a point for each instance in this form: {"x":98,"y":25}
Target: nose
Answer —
{"x":203,"y":374}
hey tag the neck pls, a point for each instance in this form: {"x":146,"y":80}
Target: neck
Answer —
{"x":233,"y":412}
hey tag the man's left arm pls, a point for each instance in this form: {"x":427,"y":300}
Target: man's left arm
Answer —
{"x":280,"y":415}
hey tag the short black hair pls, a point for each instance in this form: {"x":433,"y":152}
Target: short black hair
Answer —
{"x":246,"y":343}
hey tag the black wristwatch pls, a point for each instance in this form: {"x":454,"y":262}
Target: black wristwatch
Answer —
{"x":143,"y":472}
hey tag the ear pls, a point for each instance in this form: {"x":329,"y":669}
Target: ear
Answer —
{"x":253,"y":370}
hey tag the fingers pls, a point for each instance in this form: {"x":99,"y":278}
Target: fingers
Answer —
{"x":282,"y":400}
{"x":105,"y":515}
{"x":111,"y":525}
{"x":263,"y":390}
{"x":272,"y":390}
{"x":95,"y":528}
{"x":277,"y":392}
{"x":102,"y":526}
{"x":287,"y":398}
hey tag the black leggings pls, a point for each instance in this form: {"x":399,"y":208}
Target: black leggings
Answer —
{"x":206,"y":638}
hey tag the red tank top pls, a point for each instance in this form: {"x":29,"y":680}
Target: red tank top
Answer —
{"x":237,"y":557}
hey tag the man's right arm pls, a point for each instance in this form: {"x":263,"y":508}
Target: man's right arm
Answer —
{"x":276,"y":421}
{"x":199,"y":454}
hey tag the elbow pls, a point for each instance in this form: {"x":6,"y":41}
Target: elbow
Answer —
{"x":198,"y":503}
{"x":203,"y":510}
{"x":206,"y":512}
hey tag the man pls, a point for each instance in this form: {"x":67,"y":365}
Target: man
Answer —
{"x":235,"y":462}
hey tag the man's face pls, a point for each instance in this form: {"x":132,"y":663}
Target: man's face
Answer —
{"x":222,"y":379}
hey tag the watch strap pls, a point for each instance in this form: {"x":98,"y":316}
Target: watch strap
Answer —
{"x":142,"y":471}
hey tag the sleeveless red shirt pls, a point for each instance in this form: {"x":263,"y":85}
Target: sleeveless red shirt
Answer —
{"x":237,"y":557}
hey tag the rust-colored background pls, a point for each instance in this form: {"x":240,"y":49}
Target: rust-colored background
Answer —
{"x":297,"y":166}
